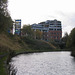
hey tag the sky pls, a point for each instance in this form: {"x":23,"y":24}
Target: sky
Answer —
{"x":36,"y":11}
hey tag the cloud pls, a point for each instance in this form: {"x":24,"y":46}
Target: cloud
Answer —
{"x":68,"y":21}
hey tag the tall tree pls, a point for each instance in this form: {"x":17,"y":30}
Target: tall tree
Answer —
{"x":65,"y":38}
{"x":71,"y":39}
{"x":3,"y":7}
{"x":5,"y":19}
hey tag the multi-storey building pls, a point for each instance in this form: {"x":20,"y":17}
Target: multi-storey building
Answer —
{"x":51,"y":29}
{"x":18,"y":26}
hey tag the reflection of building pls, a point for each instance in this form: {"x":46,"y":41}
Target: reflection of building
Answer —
{"x":51,"y":29}
{"x":18,"y":27}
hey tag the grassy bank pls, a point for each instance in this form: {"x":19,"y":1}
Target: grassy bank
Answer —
{"x":10,"y":44}
{"x":3,"y":66}
{"x":37,"y":44}
{"x":37,"y":51}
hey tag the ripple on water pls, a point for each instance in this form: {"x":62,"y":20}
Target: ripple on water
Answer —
{"x":46,"y":63}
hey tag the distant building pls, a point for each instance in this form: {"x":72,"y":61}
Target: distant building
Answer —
{"x":51,"y":29}
{"x":18,"y":26}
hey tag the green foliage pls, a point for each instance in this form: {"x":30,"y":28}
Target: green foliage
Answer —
{"x":38,"y":34}
{"x":3,"y":70}
{"x":64,"y":40}
{"x":3,"y":7}
{"x":5,"y":23}
{"x":5,"y":19}
{"x":27,"y":31}
{"x":37,"y":44}
{"x":71,"y":39}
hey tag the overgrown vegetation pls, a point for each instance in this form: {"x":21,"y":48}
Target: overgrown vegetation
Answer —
{"x":69,"y":41}
{"x":5,"y":19}
{"x":5,"y":25}
{"x":11,"y":44}
{"x":3,"y":70}
{"x":38,"y":44}
{"x":30,"y":33}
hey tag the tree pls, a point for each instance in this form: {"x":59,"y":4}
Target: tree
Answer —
{"x":65,"y":37}
{"x":71,"y":42}
{"x":71,"y":39}
{"x":5,"y":19}
{"x":38,"y":34}
{"x":3,"y":7}
{"x":27,"y":31}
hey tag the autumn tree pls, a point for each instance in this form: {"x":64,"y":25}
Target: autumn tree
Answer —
{"x":38,"y":34}
{"x":27,"y":31}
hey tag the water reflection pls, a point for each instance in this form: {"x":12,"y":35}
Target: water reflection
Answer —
{"x":46,"y":63}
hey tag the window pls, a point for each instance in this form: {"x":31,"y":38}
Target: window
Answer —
{"x":52,"y":33}
{"x":59,"y":29}
{"x":50,"y":29}
{"x":51,"y":24}
{"x":57,"y":33}
{"x":60,"y":36}
{"x":55,"y":29}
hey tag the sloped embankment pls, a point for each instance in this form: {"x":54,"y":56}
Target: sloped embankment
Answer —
{"x":38,"y":44}
{"x":11,"y":42}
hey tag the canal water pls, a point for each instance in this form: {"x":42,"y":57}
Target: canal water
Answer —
{"x":46,"y":63}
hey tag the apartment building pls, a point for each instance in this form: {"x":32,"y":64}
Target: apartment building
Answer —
{"x":52,"y":29}
{"x":18,"y":26}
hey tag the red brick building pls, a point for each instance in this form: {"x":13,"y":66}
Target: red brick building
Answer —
{"x":51,"y":29}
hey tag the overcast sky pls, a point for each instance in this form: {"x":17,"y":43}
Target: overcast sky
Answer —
{"x":35,"y":11}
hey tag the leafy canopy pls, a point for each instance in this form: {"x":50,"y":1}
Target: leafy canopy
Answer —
{"x":5,"y":19}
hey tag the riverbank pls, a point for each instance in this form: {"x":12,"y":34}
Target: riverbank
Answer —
{"x":11,"y":45}
{"x":3,"y":65}
{"x":38,"y":51}
{"x":4,"y":60}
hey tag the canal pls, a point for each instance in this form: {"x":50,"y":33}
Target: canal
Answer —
{"x":45,"y":63}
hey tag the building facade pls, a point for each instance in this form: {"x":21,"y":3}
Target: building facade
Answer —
{"x":52,"y":29}
{"x":18,"y":26}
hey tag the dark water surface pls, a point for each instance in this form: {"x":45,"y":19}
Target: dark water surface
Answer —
{"x":46,"y":63}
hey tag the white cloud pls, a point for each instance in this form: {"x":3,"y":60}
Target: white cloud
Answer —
{"x":68,"y":21}
{"x":35,"y":11}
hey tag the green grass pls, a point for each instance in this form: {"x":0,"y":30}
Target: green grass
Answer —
{"x":38,"y":44}
{"x":3,"y":70}
{"x":36,"y":51}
